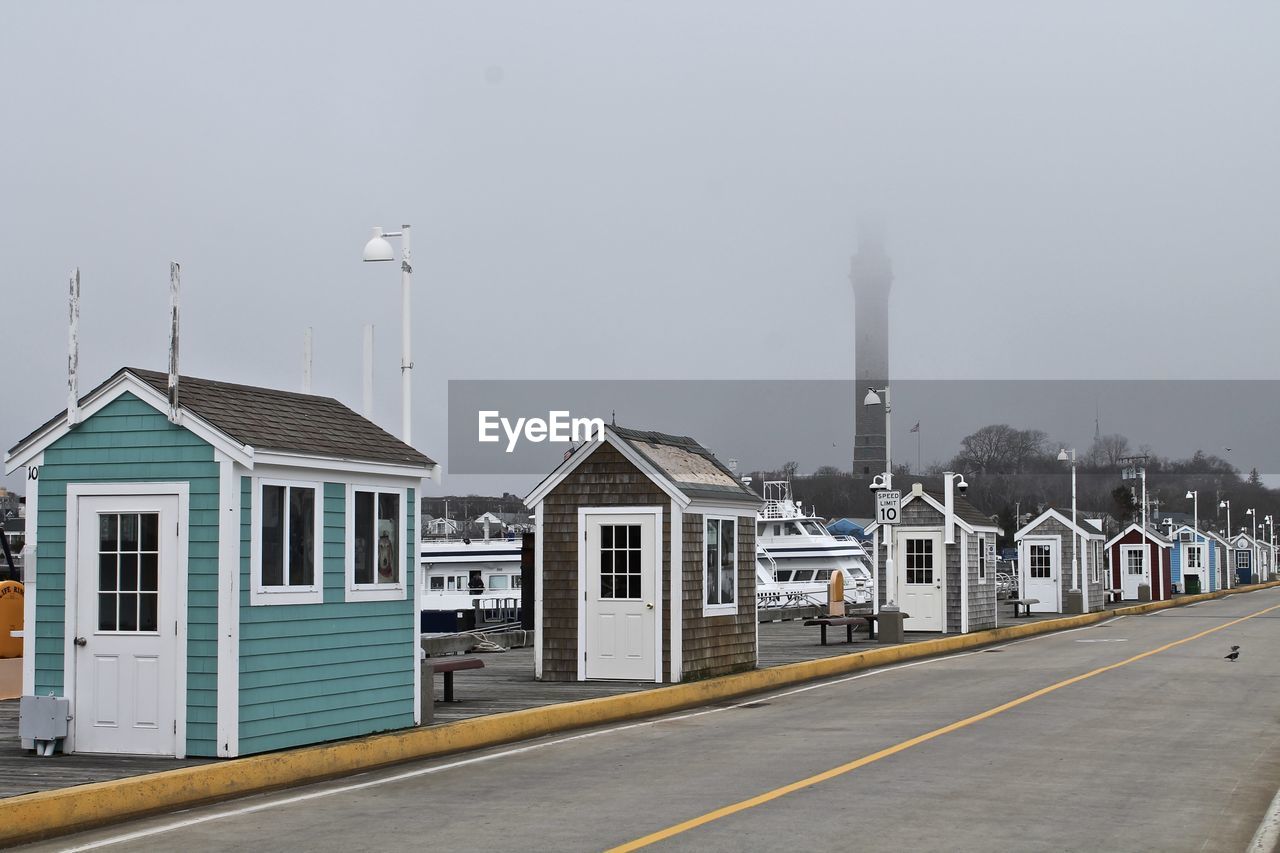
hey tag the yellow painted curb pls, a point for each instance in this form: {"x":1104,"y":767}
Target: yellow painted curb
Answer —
{"x":33,"y":816}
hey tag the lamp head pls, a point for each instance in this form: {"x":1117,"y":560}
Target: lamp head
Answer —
{"x":378,"y":249}
{"x":1223,"y":504}
{"x":872,"y":398}
{"x":1062,"y":455}
{"x":877,"y":482}
{"x":1249,"y":511}
{"x":1190,"y":494}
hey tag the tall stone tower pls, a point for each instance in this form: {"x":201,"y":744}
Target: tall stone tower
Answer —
{"x":872,"y":276}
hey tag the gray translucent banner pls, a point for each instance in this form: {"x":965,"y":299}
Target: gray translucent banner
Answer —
{"x":767,"y":423}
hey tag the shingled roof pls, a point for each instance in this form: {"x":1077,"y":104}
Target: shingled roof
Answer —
{"x":692,"y":468}
{"x":281,"y":421}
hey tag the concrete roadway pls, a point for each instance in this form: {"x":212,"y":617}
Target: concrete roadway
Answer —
{"x":1177,"y":750}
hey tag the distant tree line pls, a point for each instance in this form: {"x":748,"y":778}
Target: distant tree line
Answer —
{"x":1012,"y":470}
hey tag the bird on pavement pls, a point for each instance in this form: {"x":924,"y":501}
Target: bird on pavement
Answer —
{"x":1235,"y":653}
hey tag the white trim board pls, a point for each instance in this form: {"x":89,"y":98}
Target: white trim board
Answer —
{"x":581,"y":455}
{"x":127,"y":382}
{"x":228,"y":720}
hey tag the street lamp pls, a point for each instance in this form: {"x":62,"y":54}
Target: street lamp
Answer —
{"x":1257,"y":552}
{"x":890,"y":579}
{"x":1065,"y":455}
{"x":1231,"y":573}
{"x":378,"y":249}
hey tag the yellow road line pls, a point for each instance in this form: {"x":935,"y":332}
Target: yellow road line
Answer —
{"x":769,"y":796}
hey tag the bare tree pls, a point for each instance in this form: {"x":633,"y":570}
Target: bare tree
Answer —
{"x":1107,"y":451}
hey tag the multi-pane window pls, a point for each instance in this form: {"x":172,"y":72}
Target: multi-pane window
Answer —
{"x":720,"y":562}
{"x":919,"y":559}
{"x":1133,"y":562}
{"x":1195,"y":559}
{"x":376,"y":539}
{"x":128,"y":571}
{"x":288,"y":536}
{"x":620,"y":561}
{"x":1242,"y":559}
{"x":1040,"y":561}
{"x":982,"y":559}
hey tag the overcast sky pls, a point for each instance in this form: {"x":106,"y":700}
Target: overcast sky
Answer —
{"x":637,"y":190}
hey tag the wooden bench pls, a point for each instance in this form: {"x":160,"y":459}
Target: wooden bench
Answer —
{"x":1023,"y":604}
{"x":449,"y":667}
{"x":849,"y":622}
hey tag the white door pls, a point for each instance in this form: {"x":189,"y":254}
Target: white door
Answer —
{"x":125,"y":644}
{"x":1042,"y":574}
{"x":921,"y":574}
{"x":619,"y":605}
{"x":1133,"y":570}
{"x":1194,"y":562}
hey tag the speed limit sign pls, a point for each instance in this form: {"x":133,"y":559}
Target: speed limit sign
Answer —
{"x":888,"y":506}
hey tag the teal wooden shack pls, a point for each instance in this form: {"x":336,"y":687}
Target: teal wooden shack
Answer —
{"x":222,"y":575}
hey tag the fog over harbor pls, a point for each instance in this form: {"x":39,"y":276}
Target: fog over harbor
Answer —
{"x":608,"y":191}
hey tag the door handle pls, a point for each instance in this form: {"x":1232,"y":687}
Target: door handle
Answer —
{"x":649,"y":604}
{"x":81,"y":641}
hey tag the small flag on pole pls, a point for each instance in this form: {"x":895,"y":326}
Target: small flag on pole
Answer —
{"x":916,"y":428}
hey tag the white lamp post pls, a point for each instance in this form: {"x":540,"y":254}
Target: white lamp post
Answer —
{"x":1231,"y":573}
{"x":378,"y":249}
{"x":1065,"y":455}
{"x":1257,"y":552}
{"x":1194,"y":496}
{"x":890,"y":579}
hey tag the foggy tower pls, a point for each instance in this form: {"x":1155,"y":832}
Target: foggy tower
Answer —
{"x":872,"y":276}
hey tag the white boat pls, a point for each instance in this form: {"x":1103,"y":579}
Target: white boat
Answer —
{"x":468,"y":575}
{"x":796,"y":554}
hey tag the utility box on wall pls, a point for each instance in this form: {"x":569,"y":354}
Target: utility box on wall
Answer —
{"x":43,"y":718}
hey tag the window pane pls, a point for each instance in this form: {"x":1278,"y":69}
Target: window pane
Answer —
{"x":106,"y":572}
{"x":106,"y":612}
{"x":128,"y":572}
{"x":634,"y":531}
{"x":128,"y":611}
{"x":148,"y":579}
{"x":606,"y":586}
{"x":108,"y":534}
{"x":437,"y":583}
{"x":606,"y":536}
{"x":388,"y":539}
{"x":498,"y":582}
{"x":150,"y":531}
{"x":728,"y":572}
{"x":273,"y":535}
{"x":635,"y":587}
{"x":302,"y":532}
{"x":363,"y":537}
{"x":129,"y":532}
{"x":148,"y":616}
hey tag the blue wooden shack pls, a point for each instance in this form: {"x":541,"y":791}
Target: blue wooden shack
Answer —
{"x":226,"y":574}
{"x":1197,"y":560}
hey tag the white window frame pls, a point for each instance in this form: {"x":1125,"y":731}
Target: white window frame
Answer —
{"x":729,"y":608}
{"x":982,"y":557}
{"x":269,"y":595}
{"x":1199,"y":551}
{"x":397,"y":591}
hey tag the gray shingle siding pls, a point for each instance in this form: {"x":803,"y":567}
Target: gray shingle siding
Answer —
{"x":1051,"y":526}
{"x":981,"y":597}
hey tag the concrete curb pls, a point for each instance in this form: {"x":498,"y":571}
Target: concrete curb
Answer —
{"x":48,"y":813}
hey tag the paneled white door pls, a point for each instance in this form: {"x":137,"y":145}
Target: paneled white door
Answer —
{"x":125,"y":644}
{"x":922,"y":572}
{"x":619,"y":602}
{"x":1041,"y":574}
{"x":1133,"y":571}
